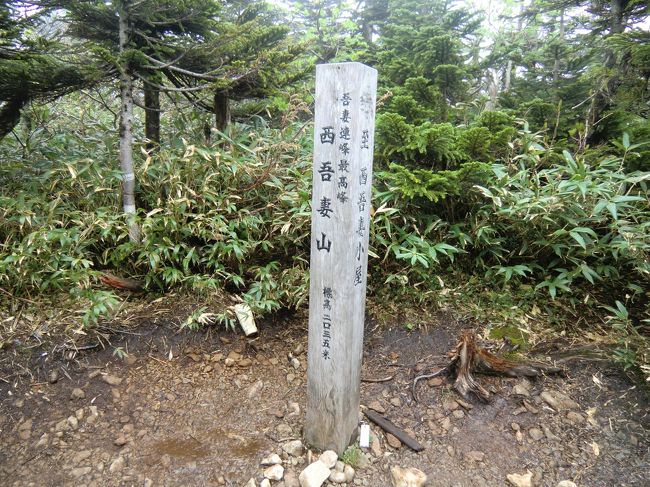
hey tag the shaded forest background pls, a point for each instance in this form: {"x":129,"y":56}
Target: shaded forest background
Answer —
{"x":170,"y":141}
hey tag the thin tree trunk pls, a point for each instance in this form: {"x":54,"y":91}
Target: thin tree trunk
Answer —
{"x":152,"y":117}
{"x":126,"y":127}
{"x":507,"y":77}
{"x":221,"y":110}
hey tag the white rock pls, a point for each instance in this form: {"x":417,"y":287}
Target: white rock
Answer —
{"x":337,"y":477}
{"x":518,"y":480}
{"x":273,"y":459}
{"x":275,"y":472}
{"x":265,"y":483}
{"x":340,"y":466}
{"x":407,"y":477}
{"x":117,"y":465}
{"x":293,"y":448}
{"x":314,"y":475}
{"x":73,"y":422}
{"x":329,"y":458}
{"x":349,"y":473}
{"x":566,"y":483}
{"x":251,"y":482}
{"x":558,"y":401}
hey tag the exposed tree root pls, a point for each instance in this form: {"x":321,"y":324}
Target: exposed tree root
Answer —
{"x":467,"y":357}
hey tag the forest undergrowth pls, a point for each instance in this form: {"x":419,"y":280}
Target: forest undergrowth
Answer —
{"x":537,"y":231}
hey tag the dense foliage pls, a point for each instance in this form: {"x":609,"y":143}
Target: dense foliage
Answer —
{"x":519,"y":160}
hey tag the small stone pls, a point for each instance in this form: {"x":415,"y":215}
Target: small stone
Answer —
{"x":265,"y":483}
{"x":80,"y":471}
{"x":349,"y":473}
{"x":255,"y":389}
{"x":521,"y":390}
{"x":450,"y":405}
{"x":81,"y":456}
{"x":77,"y":393}
{"x":229,"y":363}
{"x":337,"y":477}
{"x":148,"y":483}
{"x":575,"y":418}
{"x":112,"y":380}
{"x":246,"y":362}
{"x":566,"y":483}
{"x":284,"y":430}
{"x":295,"y":363}
{"x":314,"y":475}
{"x":117,"y":465}
{"x":274,"y":472}
{"x":79,"y":414}
{"x":291,"y":377}
{"x":536,"y":434}
{"x":475,"y":456}
{"x":43,"y":440}
{"x":73,"y":422}
{"x":293,"y":448}
{"x":464,"y":404}
{"x":251,"y":482}
{"x":407,"y":477}
{"x":25,"y":429}
{"x":558,"y":401}
{"x":396,"y":401}
{"x":518,"y":480}
{"x":376,"y":406}
{"x":515,"y":426}
{"x":273,"y":459}
{"x":53,"y":377}
{"x":446,"y":424}
{"x":130,"y":359}
{"x":375,"y":447}
{"x":435,"y":382}
{"x":120,"y":441}
{"x":459,"y":414}
{"x":393,"y":441}
{"x":329,"y":458}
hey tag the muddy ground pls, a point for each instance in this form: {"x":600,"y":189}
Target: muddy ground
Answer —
{"x":204,"y":408}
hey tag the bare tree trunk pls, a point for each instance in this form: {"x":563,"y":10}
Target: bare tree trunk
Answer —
{"x":126,"y":127}
{"x":507,"y":77}
{"x":221,"y":110}
{"x":152,"y":117}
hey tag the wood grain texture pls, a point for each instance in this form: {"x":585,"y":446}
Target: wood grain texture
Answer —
{"x":342,"y":180}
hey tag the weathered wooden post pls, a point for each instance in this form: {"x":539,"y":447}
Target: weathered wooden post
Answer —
{"x":342,"y":180}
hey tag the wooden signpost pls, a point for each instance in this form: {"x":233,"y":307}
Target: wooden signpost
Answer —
{"x":342,"y":180}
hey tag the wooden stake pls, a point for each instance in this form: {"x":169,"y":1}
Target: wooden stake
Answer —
{"x":342,"y":180}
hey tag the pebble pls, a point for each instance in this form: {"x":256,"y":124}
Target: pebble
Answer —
{"x":120,"y":441}
{"x":450,"y":405}
{"x":80,"y":471}
{"x":275,"y":472}
{"x":117,"y":465}
{"x":349,"y":473}
{"x":407,"y":477}
{"x":283,"y":429}
{"x":376,"y":406}
{"x":77,"y":393}
{"x":273,"y":459}
{"x":575,"y":418}
{"x":314,"y":475}
{"x":337,"y":477}
{"x":81,"y":456}
{"x":459,"y":414}
{"x":25,"y":429}
{"x":375,"y":447}
{"x":521,"y":390}
{"x":393,"y":441}
{"x":293,"y":448}
{"x":475,"y":456}
{"x":329,"y":458}
{"x":53,"y":377}
{"x":112,"y":380}
{"x":536,"y":434}
{"x":518,"y":480}
{"x":558,"y":400}
{"x":265,"y":483}
{"x":396,"y":401}
{"x":451,"y":451}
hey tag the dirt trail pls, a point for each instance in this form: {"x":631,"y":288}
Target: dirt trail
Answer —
{"x":205,"y":408}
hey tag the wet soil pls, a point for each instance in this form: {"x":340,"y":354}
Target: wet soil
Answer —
{"x":204,"y":408}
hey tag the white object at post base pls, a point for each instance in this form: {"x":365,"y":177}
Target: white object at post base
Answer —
{"x":364,"y":435}
{"x":245,"y":316}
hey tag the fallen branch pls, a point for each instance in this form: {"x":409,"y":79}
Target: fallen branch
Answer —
{"x":121,"y":282}
{"x":389,"y":427}
{"x":467,"y":357}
